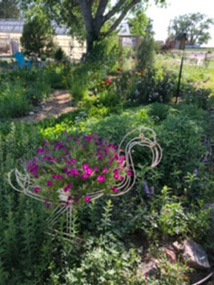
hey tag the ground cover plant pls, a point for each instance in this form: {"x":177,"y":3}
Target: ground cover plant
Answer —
{"x":111,"y":236}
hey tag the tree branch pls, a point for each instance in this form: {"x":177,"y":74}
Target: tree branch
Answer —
{"x":114,"y":10}
{"x":122,"y":16}
{"x":101,"y":8}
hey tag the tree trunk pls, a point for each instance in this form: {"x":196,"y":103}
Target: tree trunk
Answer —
{"x":90,"y":43}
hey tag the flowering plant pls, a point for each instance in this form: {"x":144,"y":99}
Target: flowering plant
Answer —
{"x":75,"y":169}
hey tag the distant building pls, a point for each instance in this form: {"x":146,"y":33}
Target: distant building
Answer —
{"x":11,"y":32}
{"x":180,"y":40}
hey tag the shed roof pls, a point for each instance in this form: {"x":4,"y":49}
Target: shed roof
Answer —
{"x":16,"y":27}
{"x":180,"y":36}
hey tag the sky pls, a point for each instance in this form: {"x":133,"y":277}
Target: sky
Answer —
{"x":161,"y":16}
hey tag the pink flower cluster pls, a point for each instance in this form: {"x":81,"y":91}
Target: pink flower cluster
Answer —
{"x":79,"y":166}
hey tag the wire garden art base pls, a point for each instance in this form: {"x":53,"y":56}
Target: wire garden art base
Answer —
{"x":146,"y":138}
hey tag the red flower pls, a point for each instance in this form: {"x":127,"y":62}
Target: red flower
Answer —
{"x":118,"y":69}
{"x":108,"y":81}
{"x":146,"y":275}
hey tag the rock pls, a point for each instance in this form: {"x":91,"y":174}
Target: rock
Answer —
{"x":31,"y":113}
{"x":178,"y":246}
{"x":195,"y":255}
{"x":170,"y":255}
{"x":149,"y":267}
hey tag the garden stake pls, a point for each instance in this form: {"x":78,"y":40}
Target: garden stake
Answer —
{"x":179,"y":77}
{"x":26,"y":183}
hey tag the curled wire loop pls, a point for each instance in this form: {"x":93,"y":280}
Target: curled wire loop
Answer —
{"x":146,"y":138}
{"x":26,"y":183}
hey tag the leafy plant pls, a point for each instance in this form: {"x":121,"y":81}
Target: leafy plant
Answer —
{"x":13,"y":101}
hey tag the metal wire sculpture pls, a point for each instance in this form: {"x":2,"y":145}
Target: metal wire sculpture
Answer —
{"x":146,"y":138}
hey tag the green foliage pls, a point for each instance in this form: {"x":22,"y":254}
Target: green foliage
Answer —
{"x":59,"y":54}
{"x":13,"y":101}
{"x":153,"y":86}
{"x":9,"y":9}
{"x":173,"y":274}
{"x":105,"y":51}
{"x":30,"y":88}
{"x":107,"y":234}
{"x":146,"y":49}
{"x":138,"y":23}
{"x":159,"y":112}
{"x":37,"y":36}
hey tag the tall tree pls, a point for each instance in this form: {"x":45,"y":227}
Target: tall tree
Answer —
{"x":138,"y":23}
{"x":196,"y":25}
{"x":9,"y":9}
{"x":99,"y":17}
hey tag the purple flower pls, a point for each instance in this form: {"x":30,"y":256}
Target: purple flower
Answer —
{"x":116,"y":176}
{"x":196,"y":172}
{"x":36,"y":189}
{"x":40,"y":150}
{"x":100,"y":156}
{"x":67,"y":187}
{"x":72,"y":171}
{"x":114,"y":189}
{"x":87,"y":199}
{"x":105,"y":170}
{"x":57,"y":177}
{"x":84,"y":176}
{"x":89,"y":171}
{"x":88,"y":138}
{"x":116,"y":156}
{"x":52,"y":159}
{"x":149,"y":192}
{"x":101,"y":178}
{"x":49,"y":183}
{"x":85,"y":166}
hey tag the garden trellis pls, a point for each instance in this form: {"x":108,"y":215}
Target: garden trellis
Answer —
{"x":26,"y":183}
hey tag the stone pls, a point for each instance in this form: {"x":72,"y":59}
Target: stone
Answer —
{"x":170,"y":255}
{"x":149,"y":267}
{"x":178,"y":246}
{"x":195,"y":255}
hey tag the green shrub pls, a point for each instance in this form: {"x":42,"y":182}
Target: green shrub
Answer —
{"x":37,"y":36}
{"x":159,"y":111}
{"x":59,"y":54}
{"x":13,"y":101}
{"x":146,"y":49}
{"x":153,"y":86}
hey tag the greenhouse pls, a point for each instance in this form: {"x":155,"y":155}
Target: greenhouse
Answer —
{"x":11,"y":32}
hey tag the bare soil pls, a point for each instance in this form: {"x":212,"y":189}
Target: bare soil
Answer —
{"x":57,"y":104}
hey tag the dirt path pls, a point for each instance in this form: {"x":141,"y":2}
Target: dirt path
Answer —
{"x":58,"y":103}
